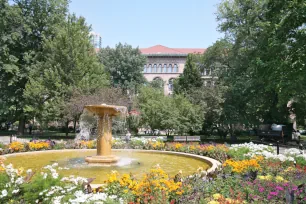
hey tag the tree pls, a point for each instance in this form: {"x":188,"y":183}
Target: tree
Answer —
{"x":157,"y":83}
{"x":149,"y":102}
{"x":191,"y":77}
{"x":190,"y":116}
{"x":267,"y":60}
{"x":69,"y":64}
{"x":24,"y":25}
{"x":171,"y":114}
{"x":124,"y":65}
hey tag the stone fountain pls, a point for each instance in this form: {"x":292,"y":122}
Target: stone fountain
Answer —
{"x":104,"y":138}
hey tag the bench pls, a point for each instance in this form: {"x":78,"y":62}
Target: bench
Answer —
{"x":179,"y":139}
{"x":193,"y":139}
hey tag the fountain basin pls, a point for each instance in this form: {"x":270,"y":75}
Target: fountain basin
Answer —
{"x":136,"y":162}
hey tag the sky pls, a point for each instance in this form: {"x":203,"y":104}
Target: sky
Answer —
{"x":145,"y":23}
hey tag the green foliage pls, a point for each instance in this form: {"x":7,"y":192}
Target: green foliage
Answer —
{"x":300,"y":160}
{"x":22,"y":36}
{"x":168,"y":113}
{"x":69,"y":65}
{"x":191,"y":77}
{"x":157,"y":84}
{"x":267,"y":56}
{"x":124,"y":65}
{"x":238,"y":153}
{"x":38,"y":184}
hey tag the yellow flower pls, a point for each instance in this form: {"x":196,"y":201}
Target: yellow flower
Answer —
{"x":213,"y":202}
{"x":217,"y":196}
{"x":16,"y":146}
{"x":38,"y":145}
{"x":279,"y":179}
{"x":229,"y":200}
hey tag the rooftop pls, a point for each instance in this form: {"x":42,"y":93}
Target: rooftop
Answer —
{"x":163,"y":50}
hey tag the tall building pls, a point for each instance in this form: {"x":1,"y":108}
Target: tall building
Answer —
{"x":96,"y":40}
{"x":166,"y":64}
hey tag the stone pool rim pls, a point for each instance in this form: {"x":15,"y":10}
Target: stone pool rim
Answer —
{"x":210,"y":161}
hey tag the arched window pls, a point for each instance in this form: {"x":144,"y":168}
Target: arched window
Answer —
{"x":209,"y":83}
{"x":145,"y":68}
{"x":150,"y":68}
{"x":170,"y":85}
{"x":165,"y":68}
{"x":160,"y":68}
{"x":157,"y":83}
{"x":154,"y":68}
{"x":175,"y":68}
{"x":170,"y":68}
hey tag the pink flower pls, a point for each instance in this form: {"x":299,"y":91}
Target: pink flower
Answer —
{"x":261,"y":189}
{"x":279,"y":188}
{"x":274,"y":193}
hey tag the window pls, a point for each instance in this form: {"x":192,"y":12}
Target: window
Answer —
{"x":150,"y":68}
{"x":145,"y":68}
{"x":154,"y":68}
{"x":160,"y":68}
{"x":170,"y":85}
{"x":208,"y":83}
{"x":170,"y":68}
{"x":165,"y":68}
{"x":175,"y":69}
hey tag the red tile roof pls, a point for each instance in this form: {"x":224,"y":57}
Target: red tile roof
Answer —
{"x":160,"y":49}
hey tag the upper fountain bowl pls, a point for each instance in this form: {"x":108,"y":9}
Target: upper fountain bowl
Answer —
{"x":104,"y":109}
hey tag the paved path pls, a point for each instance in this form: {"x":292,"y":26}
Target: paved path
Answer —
{"x":6,"y":139}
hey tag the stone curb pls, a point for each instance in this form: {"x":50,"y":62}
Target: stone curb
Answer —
{"x":214,"y":163}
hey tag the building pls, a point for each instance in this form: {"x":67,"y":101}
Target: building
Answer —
{"x":166,"y":64}
{"x":96,"y":40}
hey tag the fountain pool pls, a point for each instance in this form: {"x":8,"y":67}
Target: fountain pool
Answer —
{"x":135,"y":162}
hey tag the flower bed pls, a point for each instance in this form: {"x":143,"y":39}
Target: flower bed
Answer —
{"x":250,"y":174}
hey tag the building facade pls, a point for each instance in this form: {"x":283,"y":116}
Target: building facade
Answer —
{"x":96,"y":40}
{"x":166,"y":64}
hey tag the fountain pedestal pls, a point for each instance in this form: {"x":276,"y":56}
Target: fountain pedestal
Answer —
{"x":104,"y":139}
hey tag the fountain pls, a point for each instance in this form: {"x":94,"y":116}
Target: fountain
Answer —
{"x":98,"y":163}
{"x":104,"y":138}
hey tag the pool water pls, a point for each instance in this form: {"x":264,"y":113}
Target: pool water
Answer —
{"x":133,"y":162}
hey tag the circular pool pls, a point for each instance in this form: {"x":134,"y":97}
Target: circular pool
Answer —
{"x":131,"y":161}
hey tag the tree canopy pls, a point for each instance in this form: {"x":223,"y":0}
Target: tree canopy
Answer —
{"x":124,"y":65}
{"x":191,"y":77}
{"x":24,"y":26}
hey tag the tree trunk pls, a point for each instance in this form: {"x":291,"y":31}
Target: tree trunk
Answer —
{"x":67,"y":128}
{"x":74,"y":125}
{"x":231,"y":131}
{"x":21,"y":125}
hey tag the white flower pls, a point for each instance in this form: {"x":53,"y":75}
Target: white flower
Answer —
{"x":57,"y":199}
{"x":15,"y":191}
{"x":113,"y":197}
{"x":55,"y":175}
{"x":292,"y":152}
{"x":29,"y":171}
{"x":54,"y":165}
{"x":19,"y":181}
{"x":4,"y":193}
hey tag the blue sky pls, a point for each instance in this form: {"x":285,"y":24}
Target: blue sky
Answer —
{"x":145,"y":23}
